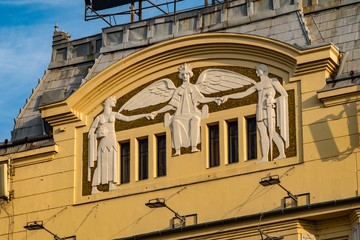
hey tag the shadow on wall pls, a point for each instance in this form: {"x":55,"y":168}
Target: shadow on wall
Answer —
{"x":322,"y":133}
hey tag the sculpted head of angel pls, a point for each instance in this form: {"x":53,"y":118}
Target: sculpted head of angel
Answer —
{"x":185,"y":72}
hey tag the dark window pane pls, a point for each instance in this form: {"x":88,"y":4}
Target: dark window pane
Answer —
{"x":251,"y":138}
{"x":214,"y":154}
{"x":233,"y":150}
{"x":81,"y":50}
{"x":161,"y":155}
{"x":61,"y":54}
{"x":143,"y":159}
{"x":125,"y":162}
{"x":98,"y":45}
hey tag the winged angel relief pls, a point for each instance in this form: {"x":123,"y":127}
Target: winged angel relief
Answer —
{"x":185,"y":123}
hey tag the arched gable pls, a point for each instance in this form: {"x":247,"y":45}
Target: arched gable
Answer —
{"x":127,"y":77}
{"x":215,"y":49}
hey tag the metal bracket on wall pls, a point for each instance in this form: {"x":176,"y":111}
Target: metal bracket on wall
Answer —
{"x":302,"y":199}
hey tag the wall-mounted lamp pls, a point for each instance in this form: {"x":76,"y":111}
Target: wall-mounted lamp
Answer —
{"x":274,"y":179}
{"x":37,"y":225}
{"x":160,"y":202}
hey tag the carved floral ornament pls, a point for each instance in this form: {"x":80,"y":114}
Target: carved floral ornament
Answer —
{"x":185,"y":122}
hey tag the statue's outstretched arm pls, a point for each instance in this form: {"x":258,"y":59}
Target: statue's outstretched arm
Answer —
{"x":164,"y":109}
{"x":241,"y":94}
{"x":124,"y":118}
{"x":200,"y":98}
{"x":218,"y":100}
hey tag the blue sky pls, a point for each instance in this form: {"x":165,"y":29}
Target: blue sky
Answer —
{"x":26,"y":29}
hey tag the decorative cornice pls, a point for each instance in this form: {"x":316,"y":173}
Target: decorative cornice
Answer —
{"x":340,"y":96}
{"x":59,"y":113}
{"x":317,"y":59}
{"x":354,"y":216}
{"x":290,"y":219}
{"x":35,"y":156}
{"x":208,"y":49}
{"x":340,"y":90}
{"x":310,"y":67}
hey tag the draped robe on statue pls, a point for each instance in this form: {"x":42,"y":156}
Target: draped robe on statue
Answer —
{"x":185,"y":100}
{"x":106,"y":152}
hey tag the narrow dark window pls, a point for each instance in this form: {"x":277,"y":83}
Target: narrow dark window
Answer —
{"x":98,"y":45}
{"x":233,"y":150}
{"x":143,"y":159}
{"x":125,"y":162}
{"x":61,"y":54}
{"x":251,"y":138}
{"x":161,"y":155}
{"x":214,"y":153}
{"x":307,"y":3}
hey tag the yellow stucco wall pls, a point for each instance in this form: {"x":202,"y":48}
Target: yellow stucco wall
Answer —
{"x":48,"y":184}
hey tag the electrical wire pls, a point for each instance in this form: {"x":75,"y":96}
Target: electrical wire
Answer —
{"x":91,"y":210}
{"x":45,"y":221}
{"x":317,"y":28}
{"x":9,"y":217}
{"x":262,"y":213}
{"x":54,"y":216}
{"x":254,"y":195}
{"x":140,"y":218}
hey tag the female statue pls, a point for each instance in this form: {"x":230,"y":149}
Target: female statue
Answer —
{"x":105,"y":152}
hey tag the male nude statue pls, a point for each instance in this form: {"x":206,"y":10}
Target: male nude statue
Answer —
{"x":265,"y":112}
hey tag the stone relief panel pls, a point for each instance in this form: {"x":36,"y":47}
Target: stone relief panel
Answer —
{"x":182,"y":108}
{"x":265,"y":113}
{"x":184,"y":100}
{"x":102,"y":146}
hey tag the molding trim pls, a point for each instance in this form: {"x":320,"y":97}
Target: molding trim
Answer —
{"x":35,"y":156}
{"x":340,"y":96}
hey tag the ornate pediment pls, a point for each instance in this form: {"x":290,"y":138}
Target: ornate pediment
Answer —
{"x":182,"y":103}
{"x":158,"y":67}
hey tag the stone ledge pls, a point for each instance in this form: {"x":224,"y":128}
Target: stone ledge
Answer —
{"x":21,"y":156}
{"x":340,"y":96}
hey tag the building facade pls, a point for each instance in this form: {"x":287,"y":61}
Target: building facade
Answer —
{"x":234,"y":121}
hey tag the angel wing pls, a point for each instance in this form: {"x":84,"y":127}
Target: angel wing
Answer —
{"x":158,"y":92}
{"x":218,"y":80}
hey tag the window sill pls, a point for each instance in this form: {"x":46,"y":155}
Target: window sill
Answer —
{"x":211,"y":174}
